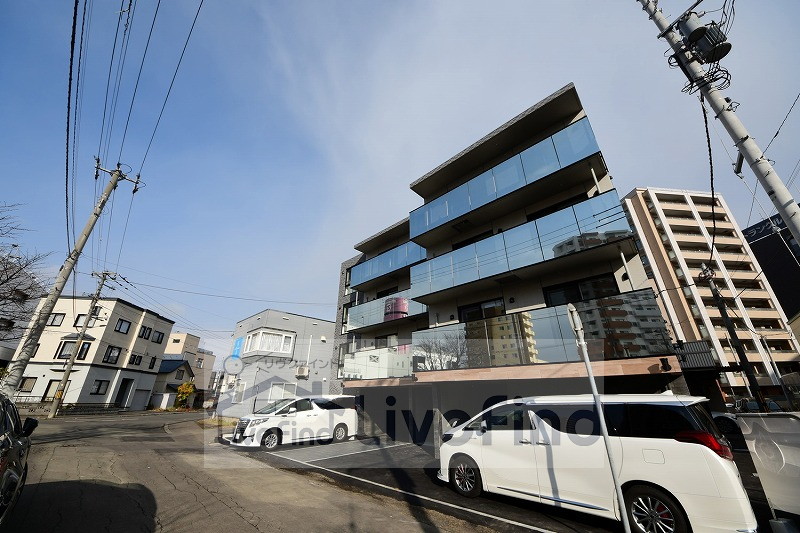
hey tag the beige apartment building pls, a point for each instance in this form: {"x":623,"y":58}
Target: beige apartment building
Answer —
{"x":187,"y":347}
{"x":675,"y":230}
{"x":117,"y":361}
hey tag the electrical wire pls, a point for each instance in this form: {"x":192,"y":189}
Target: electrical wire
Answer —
{"x":123,"y":55}
{"x":169,"y":91}
{"x":69,"y":112}
{"x":781,"y":126}
{"x":711,"y":173}
{"x":242,"y":298}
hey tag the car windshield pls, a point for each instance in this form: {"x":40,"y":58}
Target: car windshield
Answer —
{"x":273,"y":406}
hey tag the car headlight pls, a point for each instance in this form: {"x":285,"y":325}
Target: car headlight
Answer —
{"x":258,"y":422}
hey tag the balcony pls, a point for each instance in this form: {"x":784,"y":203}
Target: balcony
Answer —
{"x":383,"y":264}
{"x":387,"y":362}
{"x":393,"y":307}
{"x":584,"y":226}
{"x":544,"y":336}
{"x":570,"y":145}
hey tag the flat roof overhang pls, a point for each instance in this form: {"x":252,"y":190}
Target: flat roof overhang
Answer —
{"x":560,"y":108}
{"x":603,"y":253}
{"x":382,"y":326}
{"x":573,"y":176}
{"x":385,"y":239}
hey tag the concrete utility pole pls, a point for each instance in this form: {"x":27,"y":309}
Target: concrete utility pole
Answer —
{"x":17,"y":367}
{"x":706,"y":274}
{"x":724,"y":110}
{"x":76,"y":349}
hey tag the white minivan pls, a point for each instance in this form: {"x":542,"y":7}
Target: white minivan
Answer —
{"x":296,"y":420}
{"x":675,"y":467}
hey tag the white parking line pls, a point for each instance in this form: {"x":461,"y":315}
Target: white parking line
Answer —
{"x":372,"y":449}
{"x":421,"y":497}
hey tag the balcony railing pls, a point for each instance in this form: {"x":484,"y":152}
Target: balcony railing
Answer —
{"x":586,"y":225}
{"x":389,"y":261}
{"x":392,"y":307}
{"x":387,"y":362}
{"x":566,"y":147}
{"x":621,"y":326}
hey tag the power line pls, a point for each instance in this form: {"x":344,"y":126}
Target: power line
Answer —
{"x":69,"y":109}
{"x":782,"y":123}
{"x":169,"y":91}
{"x":243,"y":298}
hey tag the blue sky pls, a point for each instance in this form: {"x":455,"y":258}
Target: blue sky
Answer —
{"x":294,"y":128}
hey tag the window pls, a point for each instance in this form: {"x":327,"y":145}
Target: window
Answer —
{"x":100,"y":386}
{"x":55,"y":319}
{"x":179,"y":374}
{"x":152,"y":363}
{"x":122,"y":326}
{"x":489,"y":309}
{"x":584,"y":289}
{"x":80,"y":320}
{"x":144,"y":332}
{"x":26,"y":385}
{"x":157,"y":337}
{"x":35,"y":350}
{"x":66,"y":347}
{"x":135,"y":359}
{"x":573,"y":419}
{"x":175,"y":341}
{"x":508,"y":417}
{"x":268,"y":341}
{"x":199,"y":362}
{"x":238,"y":393}
{"x":112,"y":355}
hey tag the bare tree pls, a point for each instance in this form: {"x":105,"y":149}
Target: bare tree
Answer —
{"x":20,"y":289}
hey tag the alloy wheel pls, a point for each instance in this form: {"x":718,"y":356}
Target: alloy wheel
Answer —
{"x":651,"y":515}
{"x":465,"y":477}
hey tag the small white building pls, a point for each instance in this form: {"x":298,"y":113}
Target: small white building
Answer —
{"x":118,"y":359}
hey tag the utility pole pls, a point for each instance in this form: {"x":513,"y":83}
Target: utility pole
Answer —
{"x":17,"y":367}
{"x":690,"y":62}
{"x":76,"y":349}
{"x":707,"y":274}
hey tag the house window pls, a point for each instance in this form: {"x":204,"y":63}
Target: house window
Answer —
{"x":135,"y":359}
{"x":66,"y":347}
{"x":269,"y":341}
{"x":100,"y":386}
{"x":157,"y":337}
{"x":122,"y":326}
{"x":82,"y":318}
{"x":179,"y":374}
{"x":238,"y":394}
{"x":478,"y":311}
{"x":55,"y":319}
{"x":112,"y":355}
{"x":199,"y":362}
{"x":144,"y":332}
{"x":26,"y":385}
{"x":175,"y":341}
{"x":152,"y":363}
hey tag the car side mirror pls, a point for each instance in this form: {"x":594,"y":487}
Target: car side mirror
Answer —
{"x":29,"y":425}
{"x":484,"y":427}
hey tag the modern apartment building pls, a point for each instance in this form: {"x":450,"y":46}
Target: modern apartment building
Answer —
{"x":282,"y":355}
{"x":118,"y":359}
{"x":464,"y":303}
{"x":676,"y":229}
{"x":187,"y":347}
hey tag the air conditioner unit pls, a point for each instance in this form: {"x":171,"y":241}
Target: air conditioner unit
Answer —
{"x":302,"y":372}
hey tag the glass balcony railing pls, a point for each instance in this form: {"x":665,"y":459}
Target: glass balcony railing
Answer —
{"x":616,"y":327}
{"x":566,"y":147}
{"x":389,"y":261}
{"x":392,"y":307}
{"x":582,"y":226}
{"x":388,"y":362}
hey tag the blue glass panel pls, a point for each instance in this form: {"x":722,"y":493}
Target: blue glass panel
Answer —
{"x":508,"y":176}
{"x":481,"y":189}
{"x":540,"y":160}
{"x":418,"y":221}
{"x":604,"y":214}
{"x":420,"y":279}
{"x":491,"y":254}
{"x":555,"y":231}
{"x":575,"y":142}
{"x":555,"y":340}
{"x":457,"y":202}
{"x":360,"y":273}
{"x":465,"y":265}
{"x":522,"y":246}
{"x":437,"y":212}
{"x":415,"y":252}
{"x":441,"y":272}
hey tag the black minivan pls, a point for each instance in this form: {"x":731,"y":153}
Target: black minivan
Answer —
{"x":15,"y":444}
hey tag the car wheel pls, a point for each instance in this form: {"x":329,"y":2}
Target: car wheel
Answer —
{"x":651,"y":510}
{"x":340,"y":433}
{"x":271,"y":439}
{"x":465,"y":476}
